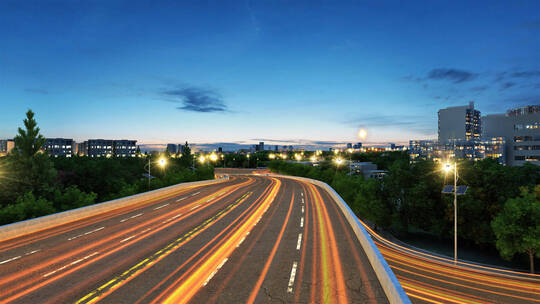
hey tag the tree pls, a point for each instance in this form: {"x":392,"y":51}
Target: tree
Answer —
{"x":28,"y":142}
{"x":187,"y":157}
{"x":517,"y":226}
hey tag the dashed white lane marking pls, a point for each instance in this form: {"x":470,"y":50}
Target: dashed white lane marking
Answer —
{"x":129,"y":238}
{"x":299,"y":243}
{"x":302,"y":201}
{"x":195,"y":207}
{"x":172,"y":218}
{"x":180,"y":199}
{"x":9,"y":260}
{"x":215,"y":271}
{"x":293,"y":274}
{"x":302,"y":209}
{"x":32,"y":252}
{"x":196,"y":193}
{"x":241,"y":241}
{"x":161,"y":206}
{"x":302,"y":193}
{"x":302,"y":222}
{"x":134,"y":216}
{"x":86,"y":233}
{"x":70,"y":264}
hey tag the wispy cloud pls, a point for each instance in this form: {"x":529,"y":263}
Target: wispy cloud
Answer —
{"x":526,"y":74}
{"x":197,"y":99}
{"x":479,"y":88}
{"x":507,"y":85}
{"x":452,"y":75}
{"x":37,"y":91}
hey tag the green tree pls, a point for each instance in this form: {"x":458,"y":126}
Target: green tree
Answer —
{"x":517,"y":227}
{"x":187,"y":157}
{"x":28,"y":142}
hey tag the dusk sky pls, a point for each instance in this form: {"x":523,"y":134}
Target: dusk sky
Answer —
{"x":292,"y":72}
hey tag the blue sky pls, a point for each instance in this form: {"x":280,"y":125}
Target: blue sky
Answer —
{"x":243,"y":71}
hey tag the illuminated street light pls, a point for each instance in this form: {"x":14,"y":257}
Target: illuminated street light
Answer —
{"x":298,"y":157}
{"x":313,"y":158}
{"x":213,"y":157}
{"x":162,"y":162}
{"x":338,"y":161}
{"x":202,"y":159}
{"x":447,"y":167}
{"x":272,"y":156}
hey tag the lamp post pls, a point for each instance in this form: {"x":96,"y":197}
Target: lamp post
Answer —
{"x":447,"y":168}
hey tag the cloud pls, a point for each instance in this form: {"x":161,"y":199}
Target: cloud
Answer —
{"x":526,"y":74}
{"x":507,"y":85}
{"x":414,"y":123}
{"x":196,"y":99}
{"x":453,"y":75}
{"x":479,"y":88}
{"x":37,"y":91}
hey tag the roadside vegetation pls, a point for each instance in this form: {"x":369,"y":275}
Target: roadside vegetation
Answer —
{"x":33,"y":184}
{"x":500,"y":210}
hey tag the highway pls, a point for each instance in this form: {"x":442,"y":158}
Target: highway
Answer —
{"x":249,"y":239}
{"x":431,"y":278}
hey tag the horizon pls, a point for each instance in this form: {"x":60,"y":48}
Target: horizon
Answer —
{"x":239,"y":73}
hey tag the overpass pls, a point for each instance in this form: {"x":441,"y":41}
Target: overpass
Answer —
{"x":243,"y":239}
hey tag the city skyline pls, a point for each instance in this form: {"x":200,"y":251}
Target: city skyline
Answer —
{"x":240,"y":73}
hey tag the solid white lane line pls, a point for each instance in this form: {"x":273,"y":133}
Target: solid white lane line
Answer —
{"x":136,"y":215}
{"x":32,"y":252}
{"x":161,"y":206}
{"x":196,"y":193}
{"x":299,"y":243}
{"x":302,"y":209}
{"x":86,"y":233}
{"x":302,"y":222}
{"x":215,"y":271}
{"x":70,"y":264}
{"x":195,"y":207}
{"x":293,"y":274}
{"x":181,"y":199}
{"x":9,"y":260}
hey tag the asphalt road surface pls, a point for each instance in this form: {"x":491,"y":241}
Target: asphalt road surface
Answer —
{"x":250,"y":239}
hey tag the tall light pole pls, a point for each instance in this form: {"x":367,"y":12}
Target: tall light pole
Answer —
{"x":447,"y":168}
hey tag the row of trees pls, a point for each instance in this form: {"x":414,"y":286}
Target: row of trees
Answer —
{"x":501,"y":208}
{"x":32,"y":184}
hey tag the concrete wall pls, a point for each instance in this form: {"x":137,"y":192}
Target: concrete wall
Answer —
{"x":388,"y":280}
{"x":33,"y":225}
{"x":452,"y":123}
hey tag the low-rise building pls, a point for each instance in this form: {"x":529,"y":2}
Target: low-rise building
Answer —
{"x":59,"y":147}
{"x":6,"y":145}
{"x":124,"y":148}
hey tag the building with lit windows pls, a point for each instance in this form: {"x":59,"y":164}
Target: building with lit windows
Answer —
{"x":521,"y":129}
{"x":459,"y":123}
{"x":124,"y":148}
{"x":59,"y":147}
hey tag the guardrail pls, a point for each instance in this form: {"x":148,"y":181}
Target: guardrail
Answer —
{"x":390,"y":284}
{"x":40,"y":223}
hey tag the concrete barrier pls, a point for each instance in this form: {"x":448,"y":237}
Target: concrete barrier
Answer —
{"x":33,"y":225}
{"x":390,"y":284}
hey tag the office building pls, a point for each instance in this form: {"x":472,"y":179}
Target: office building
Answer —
{"x":59,"y":147}
{"x":124,"y":148}
{"x":6,"y":145}
{"x":423,"y":149}
{"x":349,"y":145}
{"x":521,"y":129}
{"x":100,"y":148}
{"x":459,"y":123}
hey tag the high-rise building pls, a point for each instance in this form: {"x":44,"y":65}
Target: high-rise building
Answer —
{"x":261,"y":146}
{"x":459,"y":123}
{"x":521,"y":129}
{"x":6,"y":145}
{"x":63,"y":147}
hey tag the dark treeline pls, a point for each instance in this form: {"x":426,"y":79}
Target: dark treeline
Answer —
{"x":33,"y":184}
{"x":409,"y":199}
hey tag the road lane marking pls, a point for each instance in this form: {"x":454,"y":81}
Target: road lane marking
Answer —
{"x":181,"y":199}
{"x":134,"y":216}
{"x":302,"y":222}
{"x":302,"y":201}
{"x":70,"y":264}
{"x":32,"y":252}
{"x":293,"y":274}
{"x":302,"y":193}
{"x":172,"y":218}
{"x":195,"y":207}
{"x":299,"y":242}
{"x":196,"y":193}
{"x":86,"y":233}
{"x":129,"y":238}
{"x":241,"y":241}
{"x":9,"y":260}
{"x":302,"y":209}
{"x":161,"y":206}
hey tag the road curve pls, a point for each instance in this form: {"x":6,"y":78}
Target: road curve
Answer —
{"x":250,"y":239}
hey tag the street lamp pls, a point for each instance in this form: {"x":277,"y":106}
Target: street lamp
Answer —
{"x":202,"y":159}
{"x":447,"y":167}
